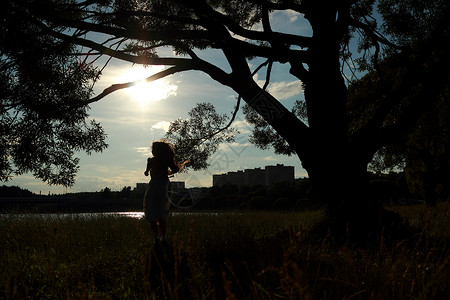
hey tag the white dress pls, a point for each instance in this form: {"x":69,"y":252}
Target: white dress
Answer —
{"x":156,"y":198}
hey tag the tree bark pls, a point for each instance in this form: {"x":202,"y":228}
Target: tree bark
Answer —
{"x":336,"y":166}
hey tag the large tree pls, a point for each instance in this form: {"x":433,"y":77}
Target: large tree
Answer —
{"x":334,"y":151}
{"x":422,"y":152}
{"x":42,"y":84}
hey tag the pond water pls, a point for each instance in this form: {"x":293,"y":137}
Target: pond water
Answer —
{"x":128,"y":214}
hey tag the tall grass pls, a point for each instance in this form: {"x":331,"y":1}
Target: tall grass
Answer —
{"x":254,"y":255}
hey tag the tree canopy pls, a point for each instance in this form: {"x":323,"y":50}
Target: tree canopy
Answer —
{"x":412,"y":37}
{"x":43,"y":86}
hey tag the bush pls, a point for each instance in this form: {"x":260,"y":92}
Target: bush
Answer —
{"x":259,"y":202}
{"x":307,"y":204}
{"x":283,"y":204}
{"x":282,"y":189}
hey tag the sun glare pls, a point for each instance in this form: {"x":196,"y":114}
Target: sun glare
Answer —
{"x":145,"y":92}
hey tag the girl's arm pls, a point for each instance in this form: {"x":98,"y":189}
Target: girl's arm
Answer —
{"x":176,"y":168}
{"x":173,"y":169}
{"x":149,"y":160}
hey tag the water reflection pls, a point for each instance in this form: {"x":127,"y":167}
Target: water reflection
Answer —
{"x":128,"y":214}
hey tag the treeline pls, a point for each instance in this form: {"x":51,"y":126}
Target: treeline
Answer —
{"x":126,"y":193}
{"x":18,"y":192}
{"x":297,"y":195}
{"x":14,"y":191}
{"x":389,"y":188}
{"x":280,"y":196}
{"x":14,"y":199}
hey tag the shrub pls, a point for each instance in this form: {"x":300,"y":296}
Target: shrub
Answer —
{"x":260,"y":202}
{"x":283,"y":204}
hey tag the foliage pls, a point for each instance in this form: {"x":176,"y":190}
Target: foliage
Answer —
{"x":143,"y":32}
{"x":43,"y":118}
{"x":418,"y":27}
{"x":421,"y":150}
{"x":14,"y":191}
{"x":264,"y":136}
{"x":198,"y":137}
{"x":250,"y":256}
{"x":410,"y":21}
{"x":409,"y":24}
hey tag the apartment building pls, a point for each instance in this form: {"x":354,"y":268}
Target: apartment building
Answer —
{"x":266,"y":176}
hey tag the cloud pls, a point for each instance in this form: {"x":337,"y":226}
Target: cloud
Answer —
{"x":289,"y":21}
{"x":282,"y":89}
{"x":145,"y":151}
{"x":285,"y":90}
{"x":292,"y":15}
{"x":114,"y":118}
{"x":243,"y":126}
{"x":302,"y":174}
{"x":270,"y":158}
{"x":115,"y":183}
{"x":237,"y":144}
{"x":164,"y":125}
{"x":115,"y":178}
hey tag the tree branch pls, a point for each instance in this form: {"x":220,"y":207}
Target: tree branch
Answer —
{"x":115,"y":53}
{"x":266,"y":36}
{"x":236,"y":109}
{"x":284,"y":5}
{"x":373,"y":34}
{"x":119,"y":86}
{"x":135,"y":33}
{"x":233,"y":117}
{"x":428,"y":77}
{"x":175,"y":35}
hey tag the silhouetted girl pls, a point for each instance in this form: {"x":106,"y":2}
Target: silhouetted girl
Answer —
{"x":156,"y":199}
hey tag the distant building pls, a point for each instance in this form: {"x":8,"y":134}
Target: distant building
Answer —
{"x":141,"y":186}
{"x":268,"y":176}
{"x":279,"y":173}
{"x":255,"y":176}
{"x":175,"y":185}
{"x":219,"y":179}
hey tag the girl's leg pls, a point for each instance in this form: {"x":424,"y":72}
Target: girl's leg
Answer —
{"x":154,"y":227}
{"x":162,"y":227}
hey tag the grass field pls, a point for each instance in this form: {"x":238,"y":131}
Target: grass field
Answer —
{"x":252,"y":255}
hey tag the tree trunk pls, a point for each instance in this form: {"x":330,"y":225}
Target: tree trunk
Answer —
{"x":336,"y":166}
{"x":340,"y":182}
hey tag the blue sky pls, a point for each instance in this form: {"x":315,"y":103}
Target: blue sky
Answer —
{"x":133,"y":119}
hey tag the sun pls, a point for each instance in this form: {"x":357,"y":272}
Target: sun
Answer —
{"x":145,"y":92}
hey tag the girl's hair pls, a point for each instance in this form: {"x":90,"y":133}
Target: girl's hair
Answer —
{"x":165,"y":151}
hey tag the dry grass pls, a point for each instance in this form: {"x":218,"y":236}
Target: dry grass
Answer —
{"x":261,"y":255}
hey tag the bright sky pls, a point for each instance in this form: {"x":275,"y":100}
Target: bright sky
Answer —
{"x":134,"y":117}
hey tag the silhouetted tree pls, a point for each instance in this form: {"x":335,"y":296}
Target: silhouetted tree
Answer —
{"x":422,"y":149}
{"x":14,"y":191}
{"x":334,"y":154}
{"x":422,"y":153}
{"x":43,"y":87}
{"x":106,"y":193}
{"x":199,"y":136}
{"x":125,"y":192}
